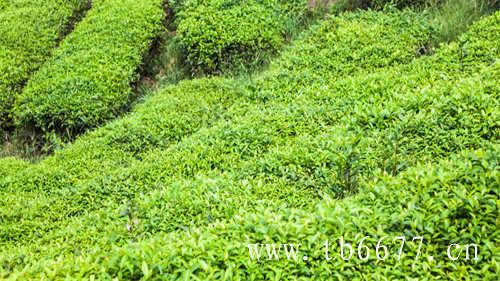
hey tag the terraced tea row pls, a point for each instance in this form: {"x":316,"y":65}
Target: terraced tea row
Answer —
{"x":88,"y":79}
{"x":29,"y":31}
{"x":222,"y":36}
{"x":428,"y":200}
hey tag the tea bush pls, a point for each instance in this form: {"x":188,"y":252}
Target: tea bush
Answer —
{"x":231,"y":36}
{"x":29,"y":31}
{"x":88,"y":79}
{"x":332,"y":48}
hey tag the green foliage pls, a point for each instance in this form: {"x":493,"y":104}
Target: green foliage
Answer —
{"x":88,"y":79}
{"x":453,"y":201}
{"x":178,"y":187}
{"x":3,"y":4}
{"x":454,"y":16}
{"x":332,"y":48}
{"x":233,"y":36}
{"x":458,"y":5}
{"x":29,"y":31}
{"x":10,"y":166}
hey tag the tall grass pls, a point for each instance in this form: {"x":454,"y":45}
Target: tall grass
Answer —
{"x":452,"y":17}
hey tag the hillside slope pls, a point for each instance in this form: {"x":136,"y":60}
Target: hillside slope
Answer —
{"x":177,"y":188}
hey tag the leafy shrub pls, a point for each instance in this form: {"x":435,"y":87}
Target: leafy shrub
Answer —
{"x":88,"y":79}
{"x":356,"y":42}
{"x":228,"y":35}
{"x":29,"y":30}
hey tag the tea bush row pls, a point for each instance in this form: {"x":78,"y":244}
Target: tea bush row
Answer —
{"x":451,"y":201}
{"x":88,"y":79}
{"x":331,"y":48}
{"x":29,"y":31}
{"x":233,"y":36}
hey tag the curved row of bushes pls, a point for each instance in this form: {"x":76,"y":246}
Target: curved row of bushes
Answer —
{"x":301,"y":140}
{"x":88,"y":79}
{"x":453,"y":201}
{"x":228,"y":36}
{"x":332,"y":47}
{"x":29,"y":31}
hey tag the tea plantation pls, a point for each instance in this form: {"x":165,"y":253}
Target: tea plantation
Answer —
{"x":317,"y":123}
